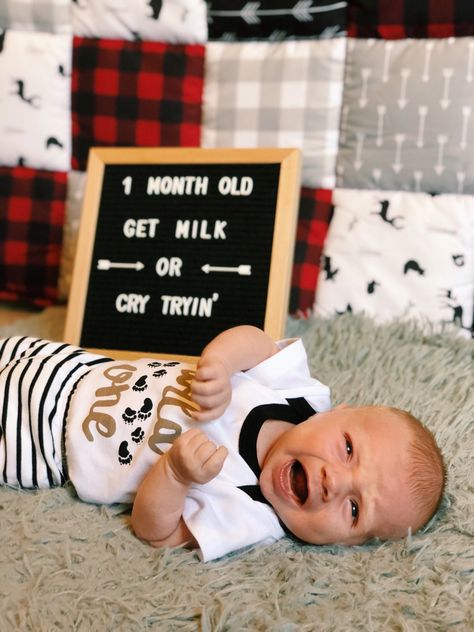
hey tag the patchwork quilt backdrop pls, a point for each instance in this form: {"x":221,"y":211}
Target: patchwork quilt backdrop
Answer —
{"x":378,"y":96}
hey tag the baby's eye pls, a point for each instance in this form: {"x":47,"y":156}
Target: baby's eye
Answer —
{"x":349,"y":448}
{"x":354,"y":512}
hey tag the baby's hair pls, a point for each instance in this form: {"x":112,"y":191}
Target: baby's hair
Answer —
{"x":427,"y":470}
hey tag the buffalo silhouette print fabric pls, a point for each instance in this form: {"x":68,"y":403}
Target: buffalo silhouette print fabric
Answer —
{"x":173,"y":21}
{"x":35,"y":87}
{"x":398,"y":254}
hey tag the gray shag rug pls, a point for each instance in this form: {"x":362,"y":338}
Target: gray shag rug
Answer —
{"x":66,"y":565}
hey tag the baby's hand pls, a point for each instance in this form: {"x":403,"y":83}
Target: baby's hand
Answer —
{"x":193,"y":458}
{"x":211,"y":388}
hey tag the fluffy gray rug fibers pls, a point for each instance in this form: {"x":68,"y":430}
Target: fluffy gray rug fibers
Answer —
{"x":68,"y":566}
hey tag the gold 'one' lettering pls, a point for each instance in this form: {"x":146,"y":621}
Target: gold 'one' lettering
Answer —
{"x":125,"y":373}
{"x":172,"y":396}
{"x":105,"y":423}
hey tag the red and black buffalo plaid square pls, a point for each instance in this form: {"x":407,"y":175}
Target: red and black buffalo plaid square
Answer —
{"x":140,"y":94}
{"x":32,"y":205}
{"x":315,"y":213}
{"x":398,"y":19}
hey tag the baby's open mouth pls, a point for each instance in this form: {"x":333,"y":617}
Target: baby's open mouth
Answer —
{"x":298,"y":482}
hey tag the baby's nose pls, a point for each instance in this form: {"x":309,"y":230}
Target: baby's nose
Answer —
{"x":334,"y":482}
{"x":324,"y":484}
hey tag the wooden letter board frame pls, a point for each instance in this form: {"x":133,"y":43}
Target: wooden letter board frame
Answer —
{"x":284,"y":164}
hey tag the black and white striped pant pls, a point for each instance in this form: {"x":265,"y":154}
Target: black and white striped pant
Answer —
{"x":37,"y":379}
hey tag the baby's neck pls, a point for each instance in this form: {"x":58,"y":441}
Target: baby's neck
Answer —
{"x":271,"y":430}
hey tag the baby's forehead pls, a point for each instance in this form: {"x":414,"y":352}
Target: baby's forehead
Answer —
{"x":380,"y":419}
{"x":380,"y":428}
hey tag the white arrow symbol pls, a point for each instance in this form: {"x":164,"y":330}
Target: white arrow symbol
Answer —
{"x":359,"y":149}
{"x":377,"y":173}
{"x":460,"y":177}
{"x":301,"y":11}
{"x":106,"y":264}
{"x":470,"y":64}
{"x":422,"y":112}
{"x":365,"y":74}
{"x":426,"y":70}
{"x":404,"y":75}
{"x":398,"y":165}
{"x":344,"y":117}
{"x":386,"y":62}
{"x":381,"y":110}
{"x":466,"y":113}
{"x":243,"y":269}
{"x":418,"y":175}
{"x":442,"y":140}
{"x":447,"y":74}
{"x":249,"y":13}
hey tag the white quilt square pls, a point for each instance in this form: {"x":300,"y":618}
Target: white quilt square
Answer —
{"x":400,"y":255}
{"x":171,"y":21}
{"x":35,"y":87}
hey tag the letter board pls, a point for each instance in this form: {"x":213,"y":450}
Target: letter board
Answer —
{"x":176,"y":245}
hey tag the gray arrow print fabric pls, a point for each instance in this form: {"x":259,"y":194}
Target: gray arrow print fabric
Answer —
{"x":407,"y":118}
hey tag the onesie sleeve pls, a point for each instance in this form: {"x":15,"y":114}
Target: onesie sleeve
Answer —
{"x":288,"y":373}
{"x":224,"y":519}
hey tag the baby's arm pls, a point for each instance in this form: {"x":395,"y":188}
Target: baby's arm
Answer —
{"x":158,"y":507}
{"x":236,"y":349}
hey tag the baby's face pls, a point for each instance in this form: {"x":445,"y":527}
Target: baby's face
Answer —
{"x":340,"y":477}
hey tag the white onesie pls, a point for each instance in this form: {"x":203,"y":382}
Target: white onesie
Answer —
{"x":123,"y":415}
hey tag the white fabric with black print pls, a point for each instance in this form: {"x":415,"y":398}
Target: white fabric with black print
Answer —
{"x":172,"y":21}
{"x":400,"y":255}
{"x":35,"y":97}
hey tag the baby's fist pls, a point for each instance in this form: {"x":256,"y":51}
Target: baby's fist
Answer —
{"x":193,"y":458}
{"x":210,"y":389}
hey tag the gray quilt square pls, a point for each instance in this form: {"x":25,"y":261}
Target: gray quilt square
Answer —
{"x":268,"y":120}
{"x":270,"y":95}
{"x":284,"y":94}
{"x":48,"y":16}
{"x":407,"y":116}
